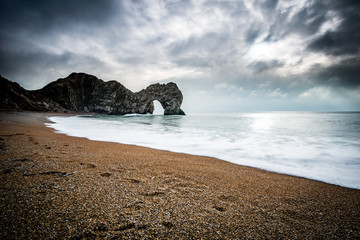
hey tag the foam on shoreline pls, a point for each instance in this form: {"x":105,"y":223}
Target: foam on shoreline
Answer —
{"x":320,"y":156}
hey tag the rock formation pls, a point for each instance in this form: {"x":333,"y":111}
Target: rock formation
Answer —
{"x":14,"y":97}
{"x":169,"y":96}
{"x":80,"y":92}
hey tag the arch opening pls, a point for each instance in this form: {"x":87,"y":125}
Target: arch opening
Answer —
{"x":158,"y":108}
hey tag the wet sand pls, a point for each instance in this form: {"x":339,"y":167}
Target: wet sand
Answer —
{"x":61,"y":187}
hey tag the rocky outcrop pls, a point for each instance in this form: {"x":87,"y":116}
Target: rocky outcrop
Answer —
{"x":14,"y":97}
{"x":80,"y":92}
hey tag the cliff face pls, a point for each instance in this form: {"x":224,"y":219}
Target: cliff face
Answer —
{"x":14,"y":97}
{"x":80,"y":92}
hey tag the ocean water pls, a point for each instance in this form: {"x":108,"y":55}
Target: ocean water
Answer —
{"x":320,"y":146}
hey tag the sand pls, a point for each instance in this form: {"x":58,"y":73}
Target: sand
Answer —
{"x":58,"y":187}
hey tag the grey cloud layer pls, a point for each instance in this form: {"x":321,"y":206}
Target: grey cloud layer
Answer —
{"x":346,"y":38}
{"x":264,"y":48}
{"x":40,"y":16}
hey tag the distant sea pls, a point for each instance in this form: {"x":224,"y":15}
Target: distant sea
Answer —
{"x":315,"y":145}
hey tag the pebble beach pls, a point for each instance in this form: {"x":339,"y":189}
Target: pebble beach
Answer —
{"x":55,"y":186}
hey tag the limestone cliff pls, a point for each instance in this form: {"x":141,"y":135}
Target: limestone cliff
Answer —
{"x":80,"y":92}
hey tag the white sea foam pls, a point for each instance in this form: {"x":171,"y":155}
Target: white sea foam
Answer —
{"x":320,"y":146}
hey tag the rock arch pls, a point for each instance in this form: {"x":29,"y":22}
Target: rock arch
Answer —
{"x":169,"y":96}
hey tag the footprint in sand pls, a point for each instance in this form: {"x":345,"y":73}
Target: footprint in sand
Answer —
{"x":105,"y":174}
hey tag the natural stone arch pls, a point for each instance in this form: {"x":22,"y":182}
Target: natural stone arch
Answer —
{"x":81,"y":92}
{"x":169,"y":96}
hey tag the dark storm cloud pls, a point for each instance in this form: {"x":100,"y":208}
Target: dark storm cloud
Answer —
{"x":343,"y":41}
{"x":346,"y":38}
{"x":309,"y":19}
{"x":42,"y":15}
{"x":26,"y":25}
{"x":306,"y":21}
{"x":41,"y":64}
{"x":344,"y":74}
{"x":42,"y":60}
{"x":27,"y":60}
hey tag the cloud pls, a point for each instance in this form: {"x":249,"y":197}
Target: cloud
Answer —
{"x":42,"y":15}
{"x":310,"y":18}
{"x":262,"y":50}
{"x":221,"y":86}
{"x":251,"y":35}
{"x":268,"y":93}
{"x":345,"y":38}
{"x":44,"y":65}
{"x":227,"y":87}
{"x":281,"y":19}
{"x":178,"y":8}
{"x":343,"y":74}
{"x":269,"y":5}
{"x":263,"y":66}
{"x":204,"y":44}
{"x":277,"y":93}
{"x":316,"y":92}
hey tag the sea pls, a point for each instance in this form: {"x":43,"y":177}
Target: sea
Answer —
{"x":323,"y":146}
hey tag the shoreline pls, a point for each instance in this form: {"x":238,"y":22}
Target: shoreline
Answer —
{"x":68,"y":187}
{"x":338,"y":180}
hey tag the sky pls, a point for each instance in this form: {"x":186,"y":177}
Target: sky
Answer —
{"x":245,"y":55}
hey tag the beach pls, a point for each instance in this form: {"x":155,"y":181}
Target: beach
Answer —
{"x":62,"y":187}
